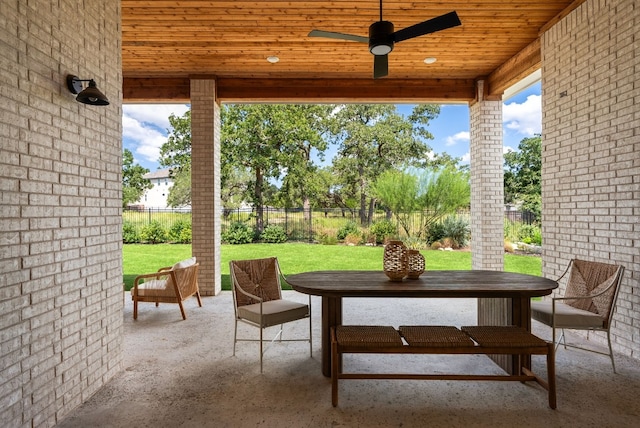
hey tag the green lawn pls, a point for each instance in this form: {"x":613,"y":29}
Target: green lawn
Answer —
{"x":299,"y":257}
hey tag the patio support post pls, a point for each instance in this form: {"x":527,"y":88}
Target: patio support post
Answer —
{"x":487,"y":183}
{"x":206,"y":206}
{"x":487,"y":204}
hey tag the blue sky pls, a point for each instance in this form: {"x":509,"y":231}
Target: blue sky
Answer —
{"x":145,"y":126}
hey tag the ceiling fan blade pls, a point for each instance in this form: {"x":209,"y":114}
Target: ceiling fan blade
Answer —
{"x":380,"y":66}
{"x":340,"y":36}
{"x":441,"y":22}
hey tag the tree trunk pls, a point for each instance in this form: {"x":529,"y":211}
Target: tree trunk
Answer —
{"x":258,"y":201}
{"x":372,"y":204}
{"x":363,"y":200}
{"x":306,"y":209}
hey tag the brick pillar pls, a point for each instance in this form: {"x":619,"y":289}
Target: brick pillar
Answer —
{"x":487,"y":207}
{"x":487,"y":184}
{"x":205,"y":183}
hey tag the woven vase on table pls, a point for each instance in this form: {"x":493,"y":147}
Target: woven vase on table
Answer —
{"x":395,"y":260}
{"x":415,"y":264}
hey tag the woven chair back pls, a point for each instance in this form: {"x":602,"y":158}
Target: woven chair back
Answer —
{"x":590,"y":278}
{"x":260,"y":277}
{"x":187,"y":279}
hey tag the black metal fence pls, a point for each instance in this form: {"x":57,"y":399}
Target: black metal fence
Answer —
{"x":299,"y":224}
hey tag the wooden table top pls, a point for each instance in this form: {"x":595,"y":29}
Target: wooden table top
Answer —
{"x":462,"y":283}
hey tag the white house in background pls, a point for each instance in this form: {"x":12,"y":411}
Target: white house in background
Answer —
{"x":156,"y":197}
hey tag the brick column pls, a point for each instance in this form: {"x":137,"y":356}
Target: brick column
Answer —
{"x":487,"y":207}
{"x":487,"y":184}
{"x":205,"y":183}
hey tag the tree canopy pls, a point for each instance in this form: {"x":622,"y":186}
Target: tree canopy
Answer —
{"x":434,"y":192}
{"x":522,"y":169}
{"x":133,"y":183}
{"x":270,"y":154}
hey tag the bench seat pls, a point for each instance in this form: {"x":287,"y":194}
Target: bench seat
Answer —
{"x":509,"y":340}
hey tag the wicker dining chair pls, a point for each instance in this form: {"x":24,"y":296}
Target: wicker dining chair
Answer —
{"x":257,"y":299}
{"x":588,"y":302}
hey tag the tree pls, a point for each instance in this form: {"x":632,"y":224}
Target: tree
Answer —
{"x":373,"y":138}
{"x":180,"y":192}
{"x":272,"y":141}
{"x":176,"y":155}
{"x":133,"y":183}
{"x":435,"y":192}
{"x":522,"y":169}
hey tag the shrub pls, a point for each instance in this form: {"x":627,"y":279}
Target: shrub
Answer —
{"x":353,"y":239}
{"x":185,"y":235}
{"x":129,"y":233}
{"x":530,"y":234}
{"x":238,"y":233}
{"x":154,"y":233}
{"x":415,"y":243}
{"x":457,"y":230}
{"x":349,"y":227}
{"x":273,"y":234}
{"x":383,"y":230}
{"x":508,"y":247}
{"x":326,"y":238}
{"x":435,"y":232}
{"x":180,"y":232}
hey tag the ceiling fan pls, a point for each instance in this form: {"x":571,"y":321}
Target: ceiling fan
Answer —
{"x":382,"y":37}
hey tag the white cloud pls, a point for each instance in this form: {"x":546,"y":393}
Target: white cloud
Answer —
{"x":466,"y":158}
{"x":525,"y":118}
{"x":154,"y":114}
{"x":452,"y":140}
{"x":144,"y":127}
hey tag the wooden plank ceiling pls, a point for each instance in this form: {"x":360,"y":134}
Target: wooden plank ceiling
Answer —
{"x":167,"y":42}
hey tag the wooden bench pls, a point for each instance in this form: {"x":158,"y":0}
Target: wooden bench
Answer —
{"x":509,"y":340}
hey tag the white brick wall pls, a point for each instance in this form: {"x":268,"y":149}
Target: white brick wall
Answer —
{"x":487,"y":185}
{"x":591,"y":149}
{"x":205,"y":178}
{"x":60,"y":199}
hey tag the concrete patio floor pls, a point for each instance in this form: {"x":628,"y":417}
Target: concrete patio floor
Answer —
{"x":182,"y":374}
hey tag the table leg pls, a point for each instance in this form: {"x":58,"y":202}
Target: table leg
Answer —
{"x":331,"y":317}
{"x":521,"y":316}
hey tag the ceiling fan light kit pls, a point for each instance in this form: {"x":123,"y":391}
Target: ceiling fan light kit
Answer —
{"x":380,"y":42}
{"x":382,"y":37}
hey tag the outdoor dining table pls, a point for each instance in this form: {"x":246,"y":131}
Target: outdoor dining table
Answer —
{"x":333,"y":286}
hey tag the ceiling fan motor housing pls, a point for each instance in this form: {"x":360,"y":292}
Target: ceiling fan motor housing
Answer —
{"x":380,"y":37}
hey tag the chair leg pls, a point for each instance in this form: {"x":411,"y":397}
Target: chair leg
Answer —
{"x":198,"y":297}
{"x":310,"y":335}
{"x":235,"y":338}
{"x":261,"y":351}
{"x":135,"y":309}
{"x":184,"y":316}
{"x":613,"y":364}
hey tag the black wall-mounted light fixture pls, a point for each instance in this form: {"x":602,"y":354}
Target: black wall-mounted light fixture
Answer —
{"x":90,"y":95}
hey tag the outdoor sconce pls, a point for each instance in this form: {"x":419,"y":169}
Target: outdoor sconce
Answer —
{"x":90,"y":95}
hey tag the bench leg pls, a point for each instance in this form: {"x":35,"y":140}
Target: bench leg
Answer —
{"x":334,"y":372}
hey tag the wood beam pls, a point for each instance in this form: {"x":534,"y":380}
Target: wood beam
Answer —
{"x":514,"y":69}
{"x":156,"y":90}
{"x":233,"y":90}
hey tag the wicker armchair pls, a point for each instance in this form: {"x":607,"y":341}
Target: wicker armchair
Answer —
{"x":172,"y":284}
{"x":588,"y":302}
{"x":257,"y":299}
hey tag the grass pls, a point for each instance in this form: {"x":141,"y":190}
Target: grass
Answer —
{"x":299,"y":257}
